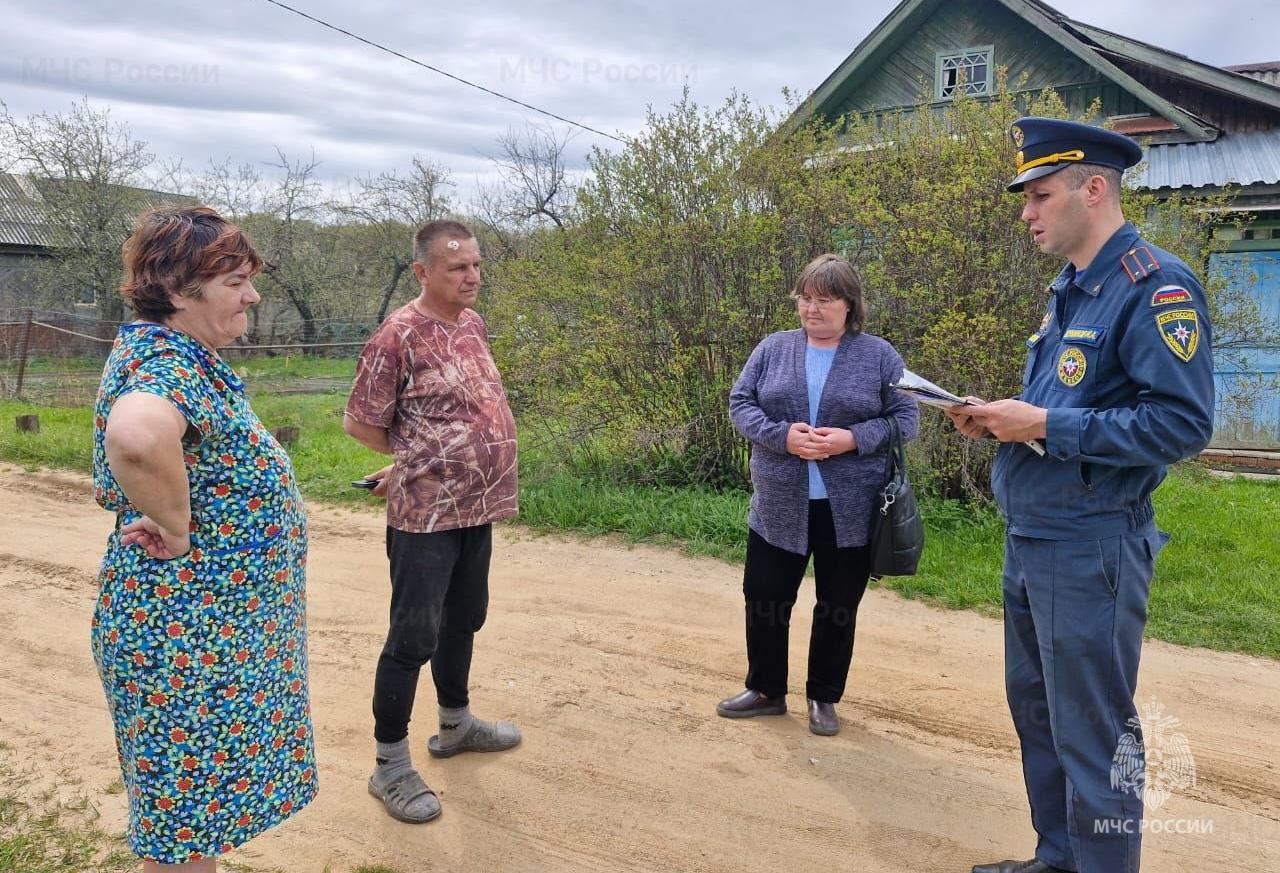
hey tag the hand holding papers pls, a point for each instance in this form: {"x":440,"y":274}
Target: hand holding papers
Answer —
{"x":930,"y":394}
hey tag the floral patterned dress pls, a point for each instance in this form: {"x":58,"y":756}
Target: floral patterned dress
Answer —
{"x":204,"y":657}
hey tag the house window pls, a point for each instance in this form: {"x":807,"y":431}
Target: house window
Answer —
{"x":965,"y":72}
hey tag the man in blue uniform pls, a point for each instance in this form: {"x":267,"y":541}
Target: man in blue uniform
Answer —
{"x":1118,"y":384}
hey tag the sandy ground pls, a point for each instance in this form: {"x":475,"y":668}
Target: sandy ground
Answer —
{"x":612,"y":658}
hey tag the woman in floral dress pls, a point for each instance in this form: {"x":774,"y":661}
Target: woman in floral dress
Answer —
{"x":200,"y":630}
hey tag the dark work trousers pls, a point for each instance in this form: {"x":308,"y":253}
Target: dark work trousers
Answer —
{"x":770,"y":584}
{"x":439,"y":598}
{"x":1074,"y":613}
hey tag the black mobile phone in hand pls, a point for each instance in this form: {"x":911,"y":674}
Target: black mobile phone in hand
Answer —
{"x":367,"y":484}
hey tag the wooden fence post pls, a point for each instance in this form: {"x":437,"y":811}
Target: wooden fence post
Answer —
{"x":23,"y":347}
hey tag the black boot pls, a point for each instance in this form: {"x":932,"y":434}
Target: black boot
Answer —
{"x":750,"y":703}
{"x":822,"y":718}
{"x":1033,"y":866}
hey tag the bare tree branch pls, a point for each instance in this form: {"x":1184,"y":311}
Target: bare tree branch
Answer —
{"x":390,"y":207}
{"x":83,"y":170}
{"x":536,"y":180}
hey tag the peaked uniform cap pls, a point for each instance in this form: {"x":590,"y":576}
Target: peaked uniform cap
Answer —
{"x":1047,"y":145}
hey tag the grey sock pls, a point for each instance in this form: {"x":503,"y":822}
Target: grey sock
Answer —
{"x":393,"y":760}
{"x":454,"y":724}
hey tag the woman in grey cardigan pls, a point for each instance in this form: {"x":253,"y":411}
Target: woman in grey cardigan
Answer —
{"x":814,"y":403}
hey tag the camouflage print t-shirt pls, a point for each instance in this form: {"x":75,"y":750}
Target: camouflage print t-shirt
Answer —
{"x":436,"y":390}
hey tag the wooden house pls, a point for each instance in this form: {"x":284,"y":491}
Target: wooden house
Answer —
{"x":1203,"y":129}
{"x":27,"y":236}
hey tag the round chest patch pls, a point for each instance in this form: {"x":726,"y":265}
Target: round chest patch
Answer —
{"x":1071,"y":367}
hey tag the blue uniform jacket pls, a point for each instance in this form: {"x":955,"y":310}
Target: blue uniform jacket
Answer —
{"x":1125,"y":368}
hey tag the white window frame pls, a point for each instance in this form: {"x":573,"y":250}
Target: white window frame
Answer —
{"x":973,"y":88}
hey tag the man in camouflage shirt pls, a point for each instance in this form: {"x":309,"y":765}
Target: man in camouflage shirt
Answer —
{"x":427,"y":392}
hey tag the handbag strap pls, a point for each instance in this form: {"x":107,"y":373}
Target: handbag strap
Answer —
{"x":897,"y":454}
{"x":897,"y":468}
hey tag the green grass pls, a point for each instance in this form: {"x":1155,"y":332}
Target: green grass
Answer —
{"x":701,"y":522}
{"x":45,"y":843}
{"x":1216,"y":581}
{"x":64,"y":440}
{"x":1214,"y":586}
{"x":325,"y":458}
{"x":290,"y":366}
{"x":53,"y":364}
{"x":281,"y":366}
{"x":51,"y":836}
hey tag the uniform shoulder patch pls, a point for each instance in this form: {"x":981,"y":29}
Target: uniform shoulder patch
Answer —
{"x":1180,"y":330}
{"x":1139,"y":263}
{"x":1167,"y":294}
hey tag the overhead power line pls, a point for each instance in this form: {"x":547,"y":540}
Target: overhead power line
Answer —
{"x":425,"y":65}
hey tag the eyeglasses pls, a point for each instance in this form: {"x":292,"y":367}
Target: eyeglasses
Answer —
{"x":817,"y":302}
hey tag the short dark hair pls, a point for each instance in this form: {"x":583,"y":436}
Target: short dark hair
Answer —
{"x":434,"y":230}
{"x":1075,"y":175}
{"x":176,"y":250}
{"x":833,"y":276}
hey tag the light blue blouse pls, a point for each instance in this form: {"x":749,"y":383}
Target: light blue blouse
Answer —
{"x":817,"y":364}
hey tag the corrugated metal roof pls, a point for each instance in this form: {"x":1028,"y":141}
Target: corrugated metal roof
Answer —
{"x":1271,"y":77}
{"x":1251,"y":158}
{"x":1266,"y":71}
{"x":22,"y":220}
{"x":21,"y":223}
{"x":1254,"y":68}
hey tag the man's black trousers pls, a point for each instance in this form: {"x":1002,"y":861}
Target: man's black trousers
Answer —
{"x":439,"y":598}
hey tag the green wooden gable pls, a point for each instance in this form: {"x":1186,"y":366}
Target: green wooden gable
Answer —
{"x":906,"y":69}
{"x":898,"y":65}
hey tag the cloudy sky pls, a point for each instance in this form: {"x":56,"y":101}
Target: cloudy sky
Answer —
{"x":237,"y":78}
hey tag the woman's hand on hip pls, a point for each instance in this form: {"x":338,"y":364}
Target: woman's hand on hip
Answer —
{"x":835,"y":440}
{"x":802,"y":443}
{"x":155,"y":540}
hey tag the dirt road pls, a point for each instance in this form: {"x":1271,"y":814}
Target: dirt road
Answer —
{"x":612,"y":658}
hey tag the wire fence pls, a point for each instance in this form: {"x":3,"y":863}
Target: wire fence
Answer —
{"x":56,"y":358}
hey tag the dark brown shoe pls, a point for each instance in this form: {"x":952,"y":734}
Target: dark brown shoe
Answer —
{"x":750,"y":703}
{"x":822,"y":718}
{"x":1035,"y":865}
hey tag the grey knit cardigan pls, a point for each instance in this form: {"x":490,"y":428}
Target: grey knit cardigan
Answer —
{"x":772,"y":393}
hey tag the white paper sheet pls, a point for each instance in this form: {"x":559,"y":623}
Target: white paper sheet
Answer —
{"x":924,"y":391}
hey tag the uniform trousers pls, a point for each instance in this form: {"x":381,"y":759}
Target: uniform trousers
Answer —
{"x":770,"y":583}
{"x":1074,"y":614}
{"x":439,"y":599}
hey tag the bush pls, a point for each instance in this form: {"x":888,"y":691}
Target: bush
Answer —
{"x":632,"y":326}
{"x":628,"y":328}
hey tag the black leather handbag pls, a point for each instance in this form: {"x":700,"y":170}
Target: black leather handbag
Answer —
{"x":897,"y":533}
